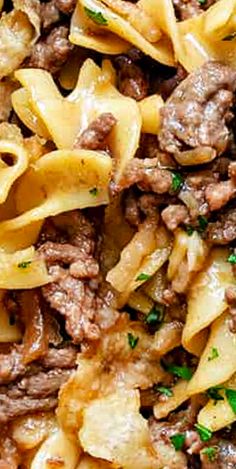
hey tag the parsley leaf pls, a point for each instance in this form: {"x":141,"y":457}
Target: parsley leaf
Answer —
{"x":178,"y":441}
{"x":214,"y":394}
{"x":177,"y":182}
{"x":24,"y":265}
{"x":214,"y":354}
{"x":96,"y":16}
{"x":210,"y":452}
{"x":164,"y":390}
{"x":155,"y":316}
{"x":180,"y":371}
{"x":143,"y":277}
{"x":230,"y":37}
{"x":231,"y":398}
{"x":204,"y":433}
{"x":232,"y":259}
{"x":94,"y":191}
{"x":132,"y":340}
{"x":203,"y":222}
{"x":202,"y":2}
{"x":189,"y":230}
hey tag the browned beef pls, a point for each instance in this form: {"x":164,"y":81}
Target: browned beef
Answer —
{"x":65,"y":6}
{"x":12,"y":408}
{"x":174,"y":215}
{"x":166,"y":87}
{"x":51,"y":53}
{"x":223,"y":231}
{"x":9,"y":454}
{"x":94,"y":137}
{"x":198,"y":110}
{"x":60,"y":358}
{"x":49,"y":14}
{"x":132,"y":81}
{"x":186,"y":9}
{"x":41,"y":385}
{"x":230,"y":296}
{"x":11,"y":365}
{"x":147,"y":175}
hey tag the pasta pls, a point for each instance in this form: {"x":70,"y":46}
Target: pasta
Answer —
{"x":117,"y":234}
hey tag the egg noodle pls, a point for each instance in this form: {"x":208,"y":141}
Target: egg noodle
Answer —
{"x":117,"y":232}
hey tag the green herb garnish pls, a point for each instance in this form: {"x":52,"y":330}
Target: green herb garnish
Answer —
{"x":155,"y":316}
{"x":96,"y":16}
{"x":164,"y":390}
{"x":204,"y":433}
{"x":181,"y":371}
{"x":202,"y":222}
{"x":189,"y":230}
{"x":214,"y":393}
{"x":202,"y":2}
{"x":211,"y":452}
{"x":94,"y":191}
{"x":24,"y":265}
{"x":177,"y":182}
{"x":214,"y":354}
{"x":178,"y":441}
{"x":143,"y":277}
{"x":132,"y":340}
{"x":231,"y":398}
{"x":232,"y":259}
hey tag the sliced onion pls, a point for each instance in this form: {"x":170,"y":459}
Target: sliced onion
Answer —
{"x":200,"y":155}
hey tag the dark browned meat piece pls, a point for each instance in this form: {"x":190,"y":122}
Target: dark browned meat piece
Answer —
{"x":9,"y":455}
{"x":41,"y":385}
{"x":60,"y":358}
{"x":147,"y":175}
{"x":174,"y":215}
{"x":223,"y":231}
{"x":65,"y":6}
{"x":12,"y":408}
{"x":132,"y":81}
{"x":198,"y":110}
{"x":94,"y":137}
{"x":51,"y":53}
{"x":188,"y":8}
{"x":49,"y":14}
{"x":219,"y":194}
{"x":166,"y":87}
{"x":225,"y":457}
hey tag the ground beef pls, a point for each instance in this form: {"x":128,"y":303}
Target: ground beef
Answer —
{"x":132,"y":81}
{"x":166,"y":87}
{"x":230,"y":296}
{"x":225,"y":457}
{"x":66,"y":6}
{"x":186,"y":9}
{"x":51,"y":53}
{"x":198,"y":110}
{"x":9,"y":455}
{"x":49,"y":14}
{"x":147,"y":175}
{"x":219,"y":194}
{"x":223,"y":231}
{"x":94,"y":137}
{"x":174,"y":215}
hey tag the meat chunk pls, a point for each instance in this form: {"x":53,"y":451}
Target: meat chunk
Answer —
{"x":9,"y":454}
{"x":217,"y":195}
{"x":223,"y":231}
{"x":132,"y":81}
{"x":147,"y":175}
{"x":198,"y":110}
{"x":42,"y":384}
{"x":51,"y":53}
{"x":12,"y":408}
{"x":65,"y":6}
{"x":174,"y":215}
{"x":230,"y":296}
{"x":94,"y":137}
{"x":167,"y":86}
{"x":49,"y":14}
{"x":186,"y":9}
{"x":168,"y":457}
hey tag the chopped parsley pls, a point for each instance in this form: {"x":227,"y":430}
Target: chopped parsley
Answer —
{"x":214,"y":393}
{"x":204,"y":433}
{"x":214,"y":354}
{"x":231,"y":398}
{"x":94,"y":191}
{"x":211,"y":452}
{"x":189,"y":230}
{"x":181,"y":371}
{"x":177,"y":182}
{"x":132,"y":340}
{"x":230,"y":37}
{"x":164,"y":390}
{"x":202,"y":2}
{"x":178,"y":441}
{"x":202,"y":222}
{"x":232,"y":259}
{"x":155,"y":316}
{"x":96,"y":16}
{"x":142,"y":277}
{"x":24,"y":265}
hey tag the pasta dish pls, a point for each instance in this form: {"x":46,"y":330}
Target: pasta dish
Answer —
{"x":117,"y":234}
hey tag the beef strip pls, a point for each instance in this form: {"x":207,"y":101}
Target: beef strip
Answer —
{"x":94,"y":137}
{"x":12,"y":408}
{"x":223,"y":231}
{"x":132,"y":81}
{"x":52,"y":52}
{"x":198,"y":110}
{"x":230,"y":296}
